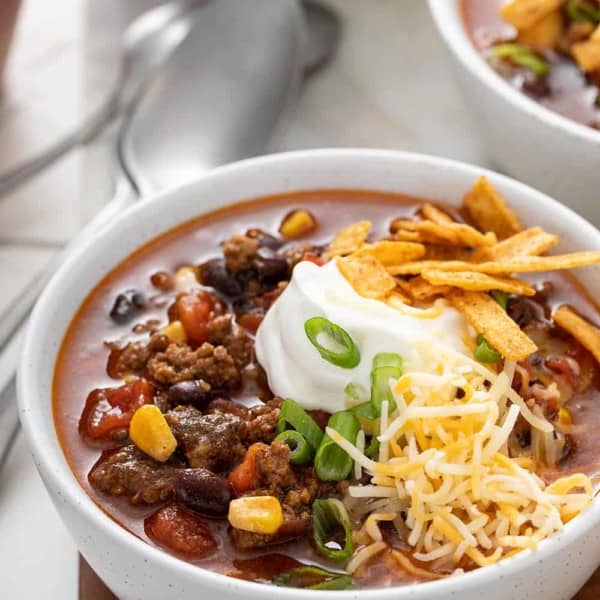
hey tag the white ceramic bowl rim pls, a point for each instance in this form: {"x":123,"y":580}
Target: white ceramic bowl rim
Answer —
{"x":449,"y":22}
{"x":41,"y":434}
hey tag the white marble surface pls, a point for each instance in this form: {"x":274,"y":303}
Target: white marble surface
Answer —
{"x":388,"y":87}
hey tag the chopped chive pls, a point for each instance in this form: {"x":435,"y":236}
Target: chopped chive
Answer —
{"x":484,"y":353}
{"x":301,"y":421}
{"x":500,"y":297}
{"x":331,"y":524}
{"x":582,"y":12}
{"x":347,"y":356}
{"x":332,"y":463}
{"x":313,"y":578}
{"x":300,"y":451}
{"x":522,"y":56}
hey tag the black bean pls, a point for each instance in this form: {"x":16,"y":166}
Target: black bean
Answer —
{"x":196,"y":392}
{"x":214,"y":274}
{"x":126,"y":305}
{"x":271,"y":270}
{"x":266,"y":240}
{"x":520,"y":311}
{"x":203,"y":492}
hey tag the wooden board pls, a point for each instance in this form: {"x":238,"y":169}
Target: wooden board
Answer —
{"x":92,"y":588}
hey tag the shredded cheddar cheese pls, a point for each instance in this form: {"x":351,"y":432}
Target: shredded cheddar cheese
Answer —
{"x":444,"y":468}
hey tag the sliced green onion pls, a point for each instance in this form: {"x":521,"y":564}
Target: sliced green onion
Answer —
{"x":365,"y":411}
{"x":346,"y":356}
{"x":372,"y":450}
{"x":484,"y":353}
{"x":500,"y":297}
{"x":583,"y":12}
{"x":313,"y":578}
{"x":522,"y":56}
{"x":301,"y":421}
{"x":300,"y":451}
{"x":331,"y":462}
{"x":386,"y":366}
{"x":356,"y":393}
{"x":330,"y":524}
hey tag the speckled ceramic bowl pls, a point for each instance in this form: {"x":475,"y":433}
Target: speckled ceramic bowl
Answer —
{"x":135,"y":570}
{"x":529,"y":141}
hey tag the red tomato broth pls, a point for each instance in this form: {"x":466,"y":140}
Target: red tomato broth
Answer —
{"x":82,"y":358}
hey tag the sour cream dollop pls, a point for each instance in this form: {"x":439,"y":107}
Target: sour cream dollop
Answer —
{"x":294,"y":367}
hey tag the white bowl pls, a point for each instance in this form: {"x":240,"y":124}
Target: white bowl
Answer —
{"x":134,"y":569}
{"x":527,"y":140}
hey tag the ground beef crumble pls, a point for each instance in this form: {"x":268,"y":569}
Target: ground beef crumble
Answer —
{"x":239,"y":252}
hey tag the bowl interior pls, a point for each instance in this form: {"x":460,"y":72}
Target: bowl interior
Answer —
{"x":416,"y":175}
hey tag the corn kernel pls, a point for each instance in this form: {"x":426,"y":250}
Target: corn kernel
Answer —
{"x":175,"y":332}
{"x":297,"y":223}
{"x":564,"y":416}
{"x":151,"y":433}
{"x":258,"y":514}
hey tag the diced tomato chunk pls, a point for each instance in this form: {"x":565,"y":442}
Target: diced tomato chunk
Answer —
{"x":313,"y":258}
{"x":108,"y":411}
{"x":243,"y":477}
{"x":194,"y":311}
{"x":180,"y":531}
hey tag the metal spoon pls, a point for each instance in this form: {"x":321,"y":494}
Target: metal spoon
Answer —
{"x":153,"y":163}
{"x":147,"y":44}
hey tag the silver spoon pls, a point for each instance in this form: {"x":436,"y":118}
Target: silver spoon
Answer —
{"x":153,"y":163}
{"x":147,"y":44}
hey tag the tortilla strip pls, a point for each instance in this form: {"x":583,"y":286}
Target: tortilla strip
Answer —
{"x":478,"y":282}
{"x":521,"y":264}
{"x":583,"y":331}
{"x":433,"y":213}
{"x":422,"y":290}
{"x":448,"y":233}
{"x":523,"y":14}
{"x":530,"y":242}
{"x":492,"y":321}
{"x":391,"y":252}
{"x":489,"y":211}
{"x":349,"y":239}
{"x":587,"y":53}
{"x":445,"y":252}
{"x":367,"y":276}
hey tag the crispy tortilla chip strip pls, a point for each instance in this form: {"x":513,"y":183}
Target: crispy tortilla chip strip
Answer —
{"x":489,"y":319}
{"x":489,"y":211}
{"x":478,"y":282}
{"x":530,"y":242}
{"x":545,"y":34}
{"x":583,"y":331}
{"x":522,"y":264}
{"x":422,"y":290}
{"x":392,"y":253}
{"x":452,"y":233}
{"x":523,"y":14}
{"x":367,"y":276}
{"x":433,"y":213}
{"x":349,"y":239}
{"x":587,"y":53}
{"x":440,"y":252}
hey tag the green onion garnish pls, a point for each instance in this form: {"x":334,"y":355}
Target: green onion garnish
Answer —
{"x":301,"y":421}
{"x":372,"y":450}
{"x":331,"y":462}
{"x":300,"y":451}
{"x":313,"y":578}
{"x":386,"y":366}
{"x":522,"y":56}
{"x":500,"y":297}
{"x":583,"y":12}
{"x":484,"y":353}
{"x":331,"y":529}
{"x":346,"y":354}
{"x":356,"y":393}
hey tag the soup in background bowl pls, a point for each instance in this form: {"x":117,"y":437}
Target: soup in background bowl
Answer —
{"x":529,"y":139}
{"x":279,"y":390}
